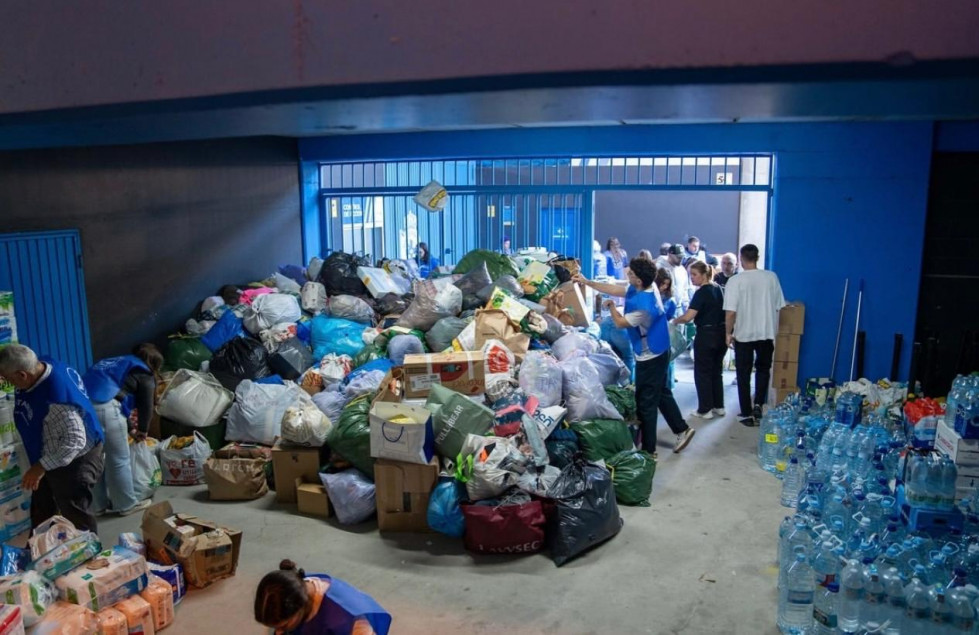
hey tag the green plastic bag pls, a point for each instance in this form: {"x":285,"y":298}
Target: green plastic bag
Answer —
{"x":602,"y":439}
{"x":185,"y":352}
{"x":369,"y":353}
{"x":624,"y":400}
{"x":454,"y":416}
{"x":632,"y":476}
{"x":350,"y":436}
{"x":678,"y":340}
{"x":496,"y":264}
{"x":545,"y":286}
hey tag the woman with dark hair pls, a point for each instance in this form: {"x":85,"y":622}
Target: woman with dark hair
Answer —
{"x":122,"y":389}
{"x":289,"y":601}
{"x":427,"y":263}
{"x":646,"y":322}
{"x":616,"y":259}
{"x":709,"y":345}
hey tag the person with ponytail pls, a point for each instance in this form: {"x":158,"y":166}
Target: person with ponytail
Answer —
{"x":291,"y":602}
{"x":709,"y":345}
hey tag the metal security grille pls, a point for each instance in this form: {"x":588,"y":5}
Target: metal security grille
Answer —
{"x":368,"y":208}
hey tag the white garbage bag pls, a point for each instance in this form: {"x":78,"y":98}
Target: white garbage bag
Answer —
{"x":584,"y":394}
{"x":431,"y":305}
{"x":351,"y":494}
{"x":285,"y":284}
{"x":270,"y":309}
{"x":331,"y":401}
{"x":351,"y":308}
{"x":194,"y":399}
{"x":541,"y":377}
{"x":147,"y":472}
{"x":184,"y":466}
{"x":313,"y":296}
{"x":305,"y":424}
{"x":256,"y":416}
{"x":497,"y":473}
{"x":574,"y":344}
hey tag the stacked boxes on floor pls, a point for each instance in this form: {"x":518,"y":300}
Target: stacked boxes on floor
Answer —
{"x":965,"y":454}
{"x":785,"y":363}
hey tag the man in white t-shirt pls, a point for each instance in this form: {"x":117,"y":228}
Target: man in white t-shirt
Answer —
{"x":752,"y":300}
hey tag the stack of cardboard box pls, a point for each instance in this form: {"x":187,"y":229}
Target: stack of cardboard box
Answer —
{"x":964,"y":453}
{"x":785,"y":364}
{"x":296,"y":470}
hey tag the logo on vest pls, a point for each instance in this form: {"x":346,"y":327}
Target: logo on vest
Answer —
{"x":75,"y":377}
{"x":24,"y":412}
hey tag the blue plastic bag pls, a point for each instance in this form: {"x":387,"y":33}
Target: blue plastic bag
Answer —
{"x":14,"y":560}
{"x":621,"y":344}
{"x":335,"y":335}
{"x":444,"y":514}
{"x":271,"y":379}
{"x":226,"y":328}
{"x":401,"y":345}
{"x":382,"y":364}
{"x":303,"y":333}
{"x":294,"y":272}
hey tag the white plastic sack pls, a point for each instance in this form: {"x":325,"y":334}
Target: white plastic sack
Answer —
{"x":334,"y":368}
{"x":313,"y":296}
{"x":498,"y":472}
{"x":574,"y":344}
{"x":331,"y":401}
{"x":270,"y":309}
{"x":194,"y":399}
{"x":432,"y":197}
{"x":364,"y":383}
{"x":184,"y":466}
{"x":147,"y":472}
{"x":305,"y":424}
{"x":351,"y":308}
{"x":271,"y":338}
{"x":285,"y":284}
{"x":314,"y":267}
{"x":584,"y":394}
{"x":541,"y":377}
{"x":611,"y":368}
{"x":31,"y":592}
{"x":538,"y":482}
{"x":51,"y":534}
{"x":351,"y":494}
{"x":256,"y":416}
{"x":431,"y":305}
{"x":195,"y":327}
{"x":213,"y":304}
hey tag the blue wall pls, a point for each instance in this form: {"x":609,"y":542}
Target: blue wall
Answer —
{"x":850,"y":201}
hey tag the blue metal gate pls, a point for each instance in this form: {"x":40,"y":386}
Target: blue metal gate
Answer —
{"x":44,"y":271}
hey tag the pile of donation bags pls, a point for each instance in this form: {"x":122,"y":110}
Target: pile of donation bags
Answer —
{"x":67,"y":582}
{"x":482,"y":403}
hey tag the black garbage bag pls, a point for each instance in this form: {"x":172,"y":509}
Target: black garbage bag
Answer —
{"x":475,"y":280}
{"x":440,"y":336}
{"x":392,"y":304}
{"x":339,"y":274}
{"x":472,"y":302}
{"x":585,"y":511}
{"x":562,"y":446}
{"x":243,"y":358}
{"x":291,"y":359}
{"x":507,"y":283}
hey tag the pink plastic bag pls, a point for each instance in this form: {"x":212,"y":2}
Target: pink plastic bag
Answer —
{"x":249,"y":295}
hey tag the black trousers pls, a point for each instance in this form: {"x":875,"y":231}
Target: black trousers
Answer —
{"x":653,"y":396}
{"x":709,"y":348}
{"x":758,"y":354}
{"x":68,"y":491}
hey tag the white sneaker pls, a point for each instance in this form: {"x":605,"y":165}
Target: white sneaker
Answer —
{"x":702,"y":415}
{"x":718,"y":412}
{"x":140,"y":506}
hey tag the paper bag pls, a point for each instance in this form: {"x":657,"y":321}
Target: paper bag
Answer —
{"x":235,"y":478}
{"x":492,"y":324}
{"x":409,"y":441}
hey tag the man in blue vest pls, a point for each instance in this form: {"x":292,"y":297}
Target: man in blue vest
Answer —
{"x":646,"y":322}
{"x":61,"y":435}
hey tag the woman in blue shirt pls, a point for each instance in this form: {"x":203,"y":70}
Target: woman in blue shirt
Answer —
{"x":427,"y":263}
{"x":289,"y":601}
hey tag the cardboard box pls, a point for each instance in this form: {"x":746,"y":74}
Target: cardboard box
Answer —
{"x":785,"y":375}
{"x":207,"y":552}
{"x":378,"y":281}
{"x":402,"y":493}
{"x":778,"y":395}
{"x":573,"y":300}
{"x":963,"y":452}
{"x":792,"y":318}
{"x":462,"y":372}
{"x":290,"y":463}
{"x":312,"y":499}
{"x":787,"y":347}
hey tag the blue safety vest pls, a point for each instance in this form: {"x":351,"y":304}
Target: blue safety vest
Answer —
{"x":343,"y":605}
{"x":658,"y":336}
{"x":63,"y":386}
{"x":104,"y":380}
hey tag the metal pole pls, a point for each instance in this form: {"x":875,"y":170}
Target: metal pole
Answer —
{"x":839,"y":330}
{"x":856,"y":332}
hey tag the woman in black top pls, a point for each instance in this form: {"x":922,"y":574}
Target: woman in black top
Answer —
{"x":707,"y":312}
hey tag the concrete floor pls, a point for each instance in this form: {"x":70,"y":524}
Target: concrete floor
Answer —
{"x":700,"y":560}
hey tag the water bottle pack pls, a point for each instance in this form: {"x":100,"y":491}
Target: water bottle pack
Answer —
{"x":962,"y":406}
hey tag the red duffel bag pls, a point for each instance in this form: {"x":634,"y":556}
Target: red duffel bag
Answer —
{"x":515,"y":528}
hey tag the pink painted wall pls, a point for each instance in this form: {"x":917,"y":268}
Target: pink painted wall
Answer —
{"x":56,"y":54}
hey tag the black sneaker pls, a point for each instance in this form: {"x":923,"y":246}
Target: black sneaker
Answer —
{"x":756,"y":413}
{"x":748,"y":422}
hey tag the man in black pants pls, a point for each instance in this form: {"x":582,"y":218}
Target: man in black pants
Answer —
{"x":752,"y":300}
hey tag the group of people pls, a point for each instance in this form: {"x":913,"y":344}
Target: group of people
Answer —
{"x":728,"y":308}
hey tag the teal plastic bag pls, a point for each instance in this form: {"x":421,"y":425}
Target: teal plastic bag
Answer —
{"x":335,"y":335}
{"x":632,"y":476}
{"x":454,"y":417}
{"x":186,"y":352}
{"x":624,"y":400}
{"x":601,"y":439}
{"x":496,"y":264}
{"x":350,"y":436}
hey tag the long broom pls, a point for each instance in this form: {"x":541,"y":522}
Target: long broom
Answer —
{"x":856,"y":332}
{"x":839,"y":330}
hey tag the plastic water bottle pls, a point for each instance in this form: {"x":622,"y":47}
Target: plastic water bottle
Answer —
{"x":874,"y":600}
{"x":893,"y":613}
{"x":824,"y":610}
{"x":941,"y":612}
{"x":967,"y":411}
{"x":792,"y":483}
{"x":917,"y":614}
{"x":784,"y":527}
{"x":797,"y":540}
{"x":853,"y":452}
{"x":840,"y":446}
{"x":824,"y":456}
{"x":963,"y":612}
{"x":865,"y":453}
{"x":954,"y":395}
{"x":920,"y":491}
{"x":851,"y":596}
{"x":826,"y":564}
{"x":948,"y":475}
{"x":796,"y":599}
{"x":768,"y":444}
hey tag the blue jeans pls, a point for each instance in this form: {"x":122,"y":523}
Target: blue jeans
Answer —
{"x":115,"y":489}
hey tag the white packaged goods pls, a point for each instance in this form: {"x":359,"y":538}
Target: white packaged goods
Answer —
{"x":270,"y":309}
{"x":64,"y":618}
{"x":11,"y":620}
{"x":194,"y":399}
{"x":378,"y":281}
{"x":13,"y":464}
{"x":53,"y":532}
{"x":314,"y":297}
{"x":15,"y":511}
{"x":65,"y":557}
{"x":110,"y":577}
{"x":182,"y":462}
{"x":8,"y":429}
{"x":534,"y":273}
{"x":31,"y":592}
{"x":160,"y":598}
{"x":112,"y":622}
{"x":139,"y":615}
{"x":256,"y":415}
{"x":432,"y":197}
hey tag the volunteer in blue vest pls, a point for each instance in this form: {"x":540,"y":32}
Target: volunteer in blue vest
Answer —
{"x":61,"y":434}
{"x":122,"y":388}
{"x":289,"y":601}
{"x":427,"y":263}
{"x":647,"y":324}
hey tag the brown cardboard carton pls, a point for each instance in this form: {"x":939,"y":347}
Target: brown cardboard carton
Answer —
{"x":493,"y":324}
{"x":312,"y":499}
{"x":290,"y":463}
{"x":791,"y":318}
{"x":787,"y":347}
{"x":570,"y":298}
{"x":778,"y":395}
{"x":785,"y":375}
{"x":208,"y":552}
{"x":402,"y":493}
{"x":462,"y":372}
